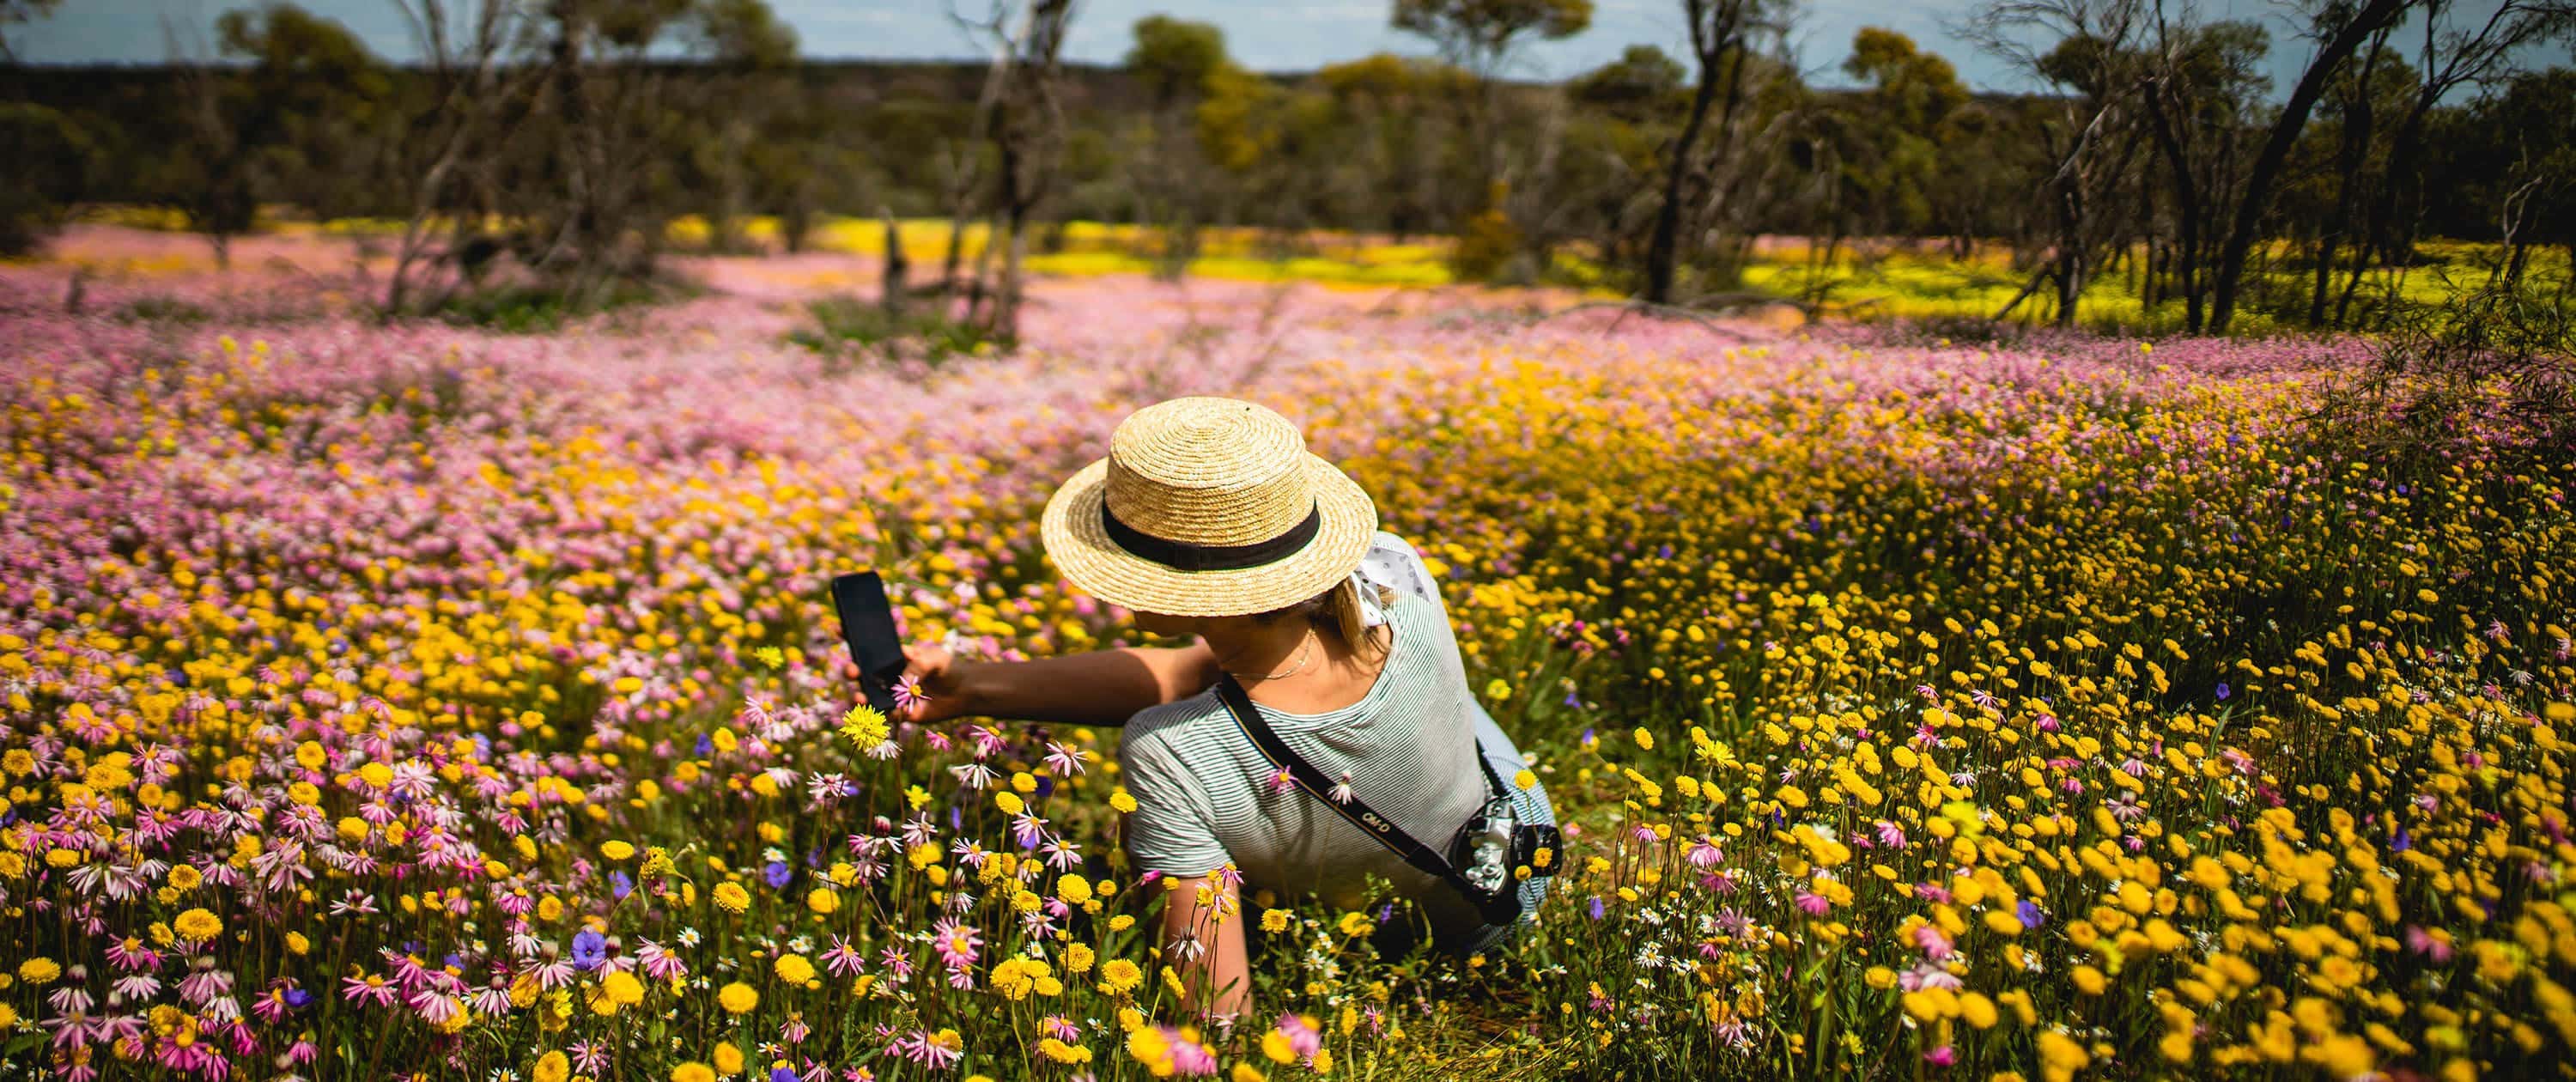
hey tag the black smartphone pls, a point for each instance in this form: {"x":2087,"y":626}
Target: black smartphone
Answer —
{"x":867,"y":626}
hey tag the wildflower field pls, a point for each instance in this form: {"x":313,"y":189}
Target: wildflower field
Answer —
{"x":404,"y":701}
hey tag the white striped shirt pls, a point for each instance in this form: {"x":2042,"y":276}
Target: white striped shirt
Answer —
{"x":1408,"y":746}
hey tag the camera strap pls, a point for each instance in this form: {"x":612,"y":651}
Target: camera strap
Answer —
{"x":1501,"y":909}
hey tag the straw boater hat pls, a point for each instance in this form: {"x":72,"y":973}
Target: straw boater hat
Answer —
{"x":1208,"y":507}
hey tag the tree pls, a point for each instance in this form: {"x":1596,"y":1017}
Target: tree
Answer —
{"x":593,"y":173}
{"x":1180,"y":63}
{"x":1888,"y":135}
{"x":2538,"y":204}
{"x":16,"y":12}
{"x":2091,"y":50}
{"x":1478,"y":36}
{"x":2352,"y":118}
{"x":2451,"y":54}
{"x":1396,"y":162}
{"x":308,"y":106}
{"x":455,"y":126}
{"x":2508,"y":163}
{"x":1723,"y":35}
{"x":1980,"y":156}
{"x":1613,"y":146}
{"x":1623,"y":116}
{"x":2200,"y":87}
{"x":2341,"y":30}
{"x":282,"y":126}
{"x":1020,"y":111}
{"x":1641,"y":83}
{"x":750,"y":51}
{"x":208,"y":180}
{"x":54,"y":159}
{"x":1175,"y":57}
{"x":1235,"y":123}
{"x":794,"y":168}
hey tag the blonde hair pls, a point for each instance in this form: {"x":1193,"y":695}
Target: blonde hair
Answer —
{"x":1337,"y":611}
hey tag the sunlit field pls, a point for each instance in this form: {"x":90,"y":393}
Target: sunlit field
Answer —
{"x":1866,"y":281}
{"x":1923,"y":281}
{"x":400,"y":700}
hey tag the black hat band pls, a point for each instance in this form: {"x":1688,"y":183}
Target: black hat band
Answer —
{"x":1190,"y":556}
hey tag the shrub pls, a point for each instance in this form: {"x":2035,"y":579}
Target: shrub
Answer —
{"x":846,"y":324}
{"x":2499,"y":359}
{"x":1487,"y":243}
{"x":538,"y":309}
{"x":158,"y":308}
{"x":1970,"y":330}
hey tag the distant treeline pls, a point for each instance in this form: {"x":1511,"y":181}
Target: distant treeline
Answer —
{"x":2162,"y":153}
{"x":891,"y":116}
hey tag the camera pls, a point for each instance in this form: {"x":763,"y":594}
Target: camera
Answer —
{"x":1495,"y":841}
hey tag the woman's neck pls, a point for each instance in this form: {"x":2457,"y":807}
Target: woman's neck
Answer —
{"x":1331,"y":676}
{"x":1251,"y":649}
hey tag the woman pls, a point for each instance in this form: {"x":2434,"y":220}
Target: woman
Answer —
{"x":1209,"y":519}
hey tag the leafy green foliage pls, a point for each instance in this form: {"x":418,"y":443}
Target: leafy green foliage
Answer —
{"x":1891,"y":136}
{"x":1482,"y":30}
{"x":53,"y":158}
{"x":1175,"y":57}
{"x":1486,"y":246}
{"x":1643,"y":81}
{"x":2500,"y":357}
{"x":852,"y":325}
{"x":540,"y":309}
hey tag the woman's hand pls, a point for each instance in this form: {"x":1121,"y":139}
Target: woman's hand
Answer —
{"x":942,"y":684}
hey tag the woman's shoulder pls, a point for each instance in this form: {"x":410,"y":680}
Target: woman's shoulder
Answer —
{"x":1174,"y":726}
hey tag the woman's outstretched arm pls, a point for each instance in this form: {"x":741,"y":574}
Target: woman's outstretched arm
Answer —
{"x":1101,"y":687}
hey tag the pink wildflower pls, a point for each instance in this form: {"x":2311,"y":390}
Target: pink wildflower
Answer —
{"x":957,"y":943}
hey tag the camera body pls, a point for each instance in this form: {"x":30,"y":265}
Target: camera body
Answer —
{"x":1495,"y":841}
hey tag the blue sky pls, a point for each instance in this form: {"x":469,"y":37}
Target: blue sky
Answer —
{"x":1285,"y":36}
{"x":1270,"y":36}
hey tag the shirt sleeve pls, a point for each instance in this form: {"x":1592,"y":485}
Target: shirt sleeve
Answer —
{"x":1424,"y":624}
{"x":1393,"y":563}
{"x":1169,"y":831}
